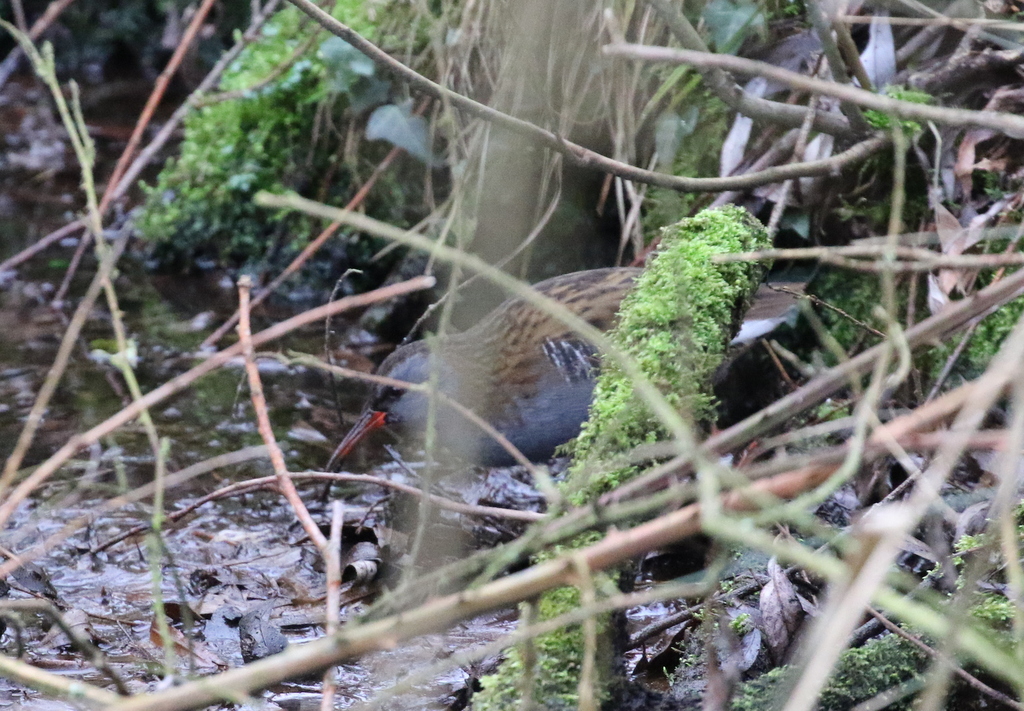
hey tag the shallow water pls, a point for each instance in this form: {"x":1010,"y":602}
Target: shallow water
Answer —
{"x":232,"y":556}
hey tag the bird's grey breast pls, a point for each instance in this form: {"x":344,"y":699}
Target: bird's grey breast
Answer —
{"x":557,"y":406}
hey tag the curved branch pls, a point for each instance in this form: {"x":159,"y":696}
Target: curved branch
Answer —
{"x":574,"y":152}
{"x":724,"y":87}
{"x":1003,"y":122}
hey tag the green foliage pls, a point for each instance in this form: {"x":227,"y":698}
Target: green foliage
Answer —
{"x":676,"y":324}
{"x":730,"y":22}
{"x":741,"y":625}
{"x":884,"y":121}
{"x":987,"y":339}
{"x":201,"y":203}
{"x":859,"y":675}
{"x":280,"y":135}
{"x":995,"y":610}
{"x":856,"y":294}
{"x":697,"y":154}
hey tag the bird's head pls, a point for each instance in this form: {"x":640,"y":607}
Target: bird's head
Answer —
{"x":393,"y":406}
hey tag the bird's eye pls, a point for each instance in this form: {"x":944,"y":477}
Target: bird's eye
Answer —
{"x":387,"y":398}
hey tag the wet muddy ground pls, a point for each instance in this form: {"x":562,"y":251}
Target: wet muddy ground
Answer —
{"x":238,"y":578}
{"x":233,"y":557}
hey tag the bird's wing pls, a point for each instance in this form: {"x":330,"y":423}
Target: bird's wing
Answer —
{"x":593,"y":295}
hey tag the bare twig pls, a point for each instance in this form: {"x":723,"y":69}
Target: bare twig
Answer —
{"x":825,"y":305}
{"x":939,"y":326}
{"x":83,"y":644}
{"x":725,"y":87}
{"x":1010,"y":124}
{"x":42,"y":244}
{"x":53,"y":11}
{"x":957,"y":669}
{"x":270,"y":482}
{"x":142,"y":492}
{"x":133,"y":142}
{"x":284,"y":483}
{"x":332,"y":557}
{"x":47,"y":468}
{"x":823,"y":28}
{"x":798,"y":151}
{"x":439,"y":613}
{"x":60,"y":361}
{"x":56,"y":684}
{"x":960,"y":23}
{"x":159,"y":88}
{"x":167,"y":130}
{"x":573,"y":152}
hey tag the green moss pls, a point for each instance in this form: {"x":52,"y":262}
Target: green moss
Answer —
{"x":859,"y":675}
{"x":995,"y":610}
{"x":966,"y":543}
{"x":856,"y":294}
{"x":884,"y":121}
{"x":741,"y":625}
{"x":288,"y":134}
{"x":201,"y":203}
{"x":559,"y":658}
{"x":988,"y":338}
{"x":676,"y":324}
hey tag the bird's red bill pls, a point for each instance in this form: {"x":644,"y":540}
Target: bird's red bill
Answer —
{"x":370,"y":421}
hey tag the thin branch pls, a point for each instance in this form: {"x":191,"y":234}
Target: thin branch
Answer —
{"x":573,"y":152}
{"x":55,"y":684}
{"x":53,"y":11}
{"x":918,"y":259}
{"x":313,"y":247}
{"x":259,"y":403}
{"x":823,"y":28}
{"x":159,"y":88}
{"x":953,"y":318}
{"x":960,"y":23}
{"x":733,"y":96}
{"x":957,"y":669}
{"x":42,"y":244}
{"x":270,"y":483}
{"x":1000,"y":121}
{"x":439,"y":613}
{"x":142,"y":492}
{"x":332,"y":601}
{"x":35,"y":416}
{"x":178,"y":383}
{"x":49,"y":610}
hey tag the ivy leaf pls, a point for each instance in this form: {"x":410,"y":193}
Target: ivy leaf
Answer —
{"x":730,"y":22}
{"x":396,"y":124}
{"x":345,"y":64}
{"x":670,"y":131}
